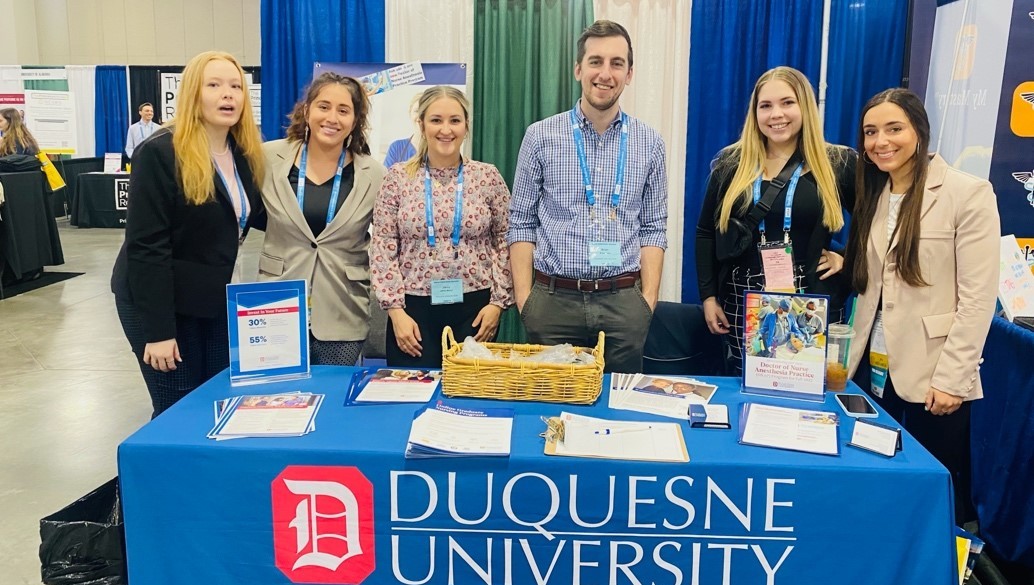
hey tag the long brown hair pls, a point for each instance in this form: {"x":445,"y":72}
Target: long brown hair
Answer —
{"x":748,"y":153}
{"x":356,"y":142}
{"x":869,"y":184}
{"x":194,"y":167}
{"x":16,"y":134}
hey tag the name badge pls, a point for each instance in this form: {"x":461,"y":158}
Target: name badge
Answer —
{"x":604,"y":254}
{"x":878,"y":362}
{"x":446,"y":292}
{"x":777,"y":264}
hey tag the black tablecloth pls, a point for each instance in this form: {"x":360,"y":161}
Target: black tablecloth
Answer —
{"x":70,"y":170}
{"x":100,"y":200}
{"x":28,"y":232}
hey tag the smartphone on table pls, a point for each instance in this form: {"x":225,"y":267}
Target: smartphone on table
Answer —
{"x":856,"y":405}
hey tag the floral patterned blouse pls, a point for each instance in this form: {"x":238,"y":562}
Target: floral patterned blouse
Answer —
{"x":401,"y":260}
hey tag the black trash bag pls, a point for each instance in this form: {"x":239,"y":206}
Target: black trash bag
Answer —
{"x":84,"y":543}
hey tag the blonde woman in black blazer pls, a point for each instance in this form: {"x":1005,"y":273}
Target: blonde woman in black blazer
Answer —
{"x":193,"y":195}
{"x":308,"y":239}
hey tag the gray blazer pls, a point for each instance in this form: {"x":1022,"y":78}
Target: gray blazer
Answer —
{"x":336,"y":263}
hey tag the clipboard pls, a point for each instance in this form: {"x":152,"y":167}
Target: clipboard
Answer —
{"x":556,"y":430}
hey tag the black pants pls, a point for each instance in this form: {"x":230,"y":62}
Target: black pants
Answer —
{"x":203,"y":347}
{"x":946,"y":437}
{"x":431,"y":319}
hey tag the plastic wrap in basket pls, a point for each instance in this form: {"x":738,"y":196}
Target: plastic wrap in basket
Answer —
{"x":509,"y":379}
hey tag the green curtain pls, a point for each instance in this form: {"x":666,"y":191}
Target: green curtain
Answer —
{"x":524,"y":55}
{"x":46,"y":84}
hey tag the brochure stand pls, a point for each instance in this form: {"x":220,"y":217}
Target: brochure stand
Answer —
{"x":268,"y":324}
{"x":784,"y":347}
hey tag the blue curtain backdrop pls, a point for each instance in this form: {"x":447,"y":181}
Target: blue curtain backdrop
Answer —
{"x":297,"y":33}
{"x":733,"y":42}
{"x":111,"y":117}
{"x":866,"y":56}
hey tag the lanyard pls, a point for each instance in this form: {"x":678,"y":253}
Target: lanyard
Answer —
{"x":619,"y":178}
{"x":243,"y":219}
{"x":332,"y":207}
{"x":142,"y":135}
{"x":787,"y":208}
{"x":457,"y":222}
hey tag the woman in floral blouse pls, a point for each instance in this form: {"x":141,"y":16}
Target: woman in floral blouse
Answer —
{"x":449,"y":267}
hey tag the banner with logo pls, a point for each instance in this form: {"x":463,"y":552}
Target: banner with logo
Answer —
{"x":1012,"y":166}
{"x":393,"y":89}
{"x":269,"y":331}
{"x":343,"y":506}
{"x":980,"y":100}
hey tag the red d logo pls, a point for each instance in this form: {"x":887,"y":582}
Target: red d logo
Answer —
{"x":323,"y":524}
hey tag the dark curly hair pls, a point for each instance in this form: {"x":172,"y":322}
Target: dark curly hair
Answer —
{"x":357,"y":142}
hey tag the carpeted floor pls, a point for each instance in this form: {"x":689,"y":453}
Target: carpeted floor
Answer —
{"x":45,"y":279}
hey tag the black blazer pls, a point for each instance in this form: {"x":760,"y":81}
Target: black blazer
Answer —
{"x":177,"y":258}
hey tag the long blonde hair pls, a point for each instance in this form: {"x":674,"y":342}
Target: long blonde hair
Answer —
{"x":194,"y":167}
{"x":748,"y":153}
{"x":426,"y":99}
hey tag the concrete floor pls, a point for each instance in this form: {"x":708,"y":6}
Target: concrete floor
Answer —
{"x":70,"y":392}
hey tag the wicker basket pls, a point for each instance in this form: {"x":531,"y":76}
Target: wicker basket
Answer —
{"x":519,"y":380}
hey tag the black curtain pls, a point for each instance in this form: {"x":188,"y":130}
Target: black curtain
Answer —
{"x":144,"y":86}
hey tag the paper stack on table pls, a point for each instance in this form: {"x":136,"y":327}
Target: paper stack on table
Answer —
{"x":291,"y":414}
{"x":446,"y":430}
{"x":668,"y":396}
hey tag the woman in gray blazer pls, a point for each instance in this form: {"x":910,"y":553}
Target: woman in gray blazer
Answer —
{"x":319,"y":195}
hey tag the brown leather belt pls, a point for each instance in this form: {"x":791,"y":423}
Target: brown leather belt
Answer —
{"x":604,"y":284}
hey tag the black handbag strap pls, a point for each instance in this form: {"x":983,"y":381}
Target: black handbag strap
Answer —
{"x":764,"y":204}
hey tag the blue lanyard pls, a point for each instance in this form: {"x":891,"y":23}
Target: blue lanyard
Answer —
{"x":619,"y":178}
{"x":142,"y":136}
{"x":243,"y":220}
{"x":457,"y":222}
{"x":332,"y":207}
{"x":787,"y":208}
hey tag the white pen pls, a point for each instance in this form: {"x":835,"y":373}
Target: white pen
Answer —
{"x":617,"y":431}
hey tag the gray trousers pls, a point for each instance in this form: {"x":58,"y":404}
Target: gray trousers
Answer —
{"x":558,"y":315}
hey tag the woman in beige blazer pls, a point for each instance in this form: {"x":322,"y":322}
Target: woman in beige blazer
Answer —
{"x":923,"y":257}
{"x":319,"y":195}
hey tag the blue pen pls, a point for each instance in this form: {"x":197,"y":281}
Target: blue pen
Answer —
{"x":619,"y":431}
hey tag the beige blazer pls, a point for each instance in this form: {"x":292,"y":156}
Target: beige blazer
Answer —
{"x":336,"y":262}
{"x":935,"y":334}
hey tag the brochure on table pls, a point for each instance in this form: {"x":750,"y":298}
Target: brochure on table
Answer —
{"x":389,"y":385}
{"x":784,"y":351}
{"x":1015,"y":281}
{"x":810,"y":431}
{"x":669,"y":396}
{"x":290,"y":414}
{"x":448,"y":430}
{"x":268,"y":323}
{"x":112,"y":162}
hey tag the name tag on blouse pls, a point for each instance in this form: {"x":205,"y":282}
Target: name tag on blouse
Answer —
{"x":446,"y":292}
{"x":604,"y":254}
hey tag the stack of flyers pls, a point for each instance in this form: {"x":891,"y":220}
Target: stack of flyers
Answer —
{"x":668,"y":396}
{"x":291,"y":414}
{"x":447,"y":430}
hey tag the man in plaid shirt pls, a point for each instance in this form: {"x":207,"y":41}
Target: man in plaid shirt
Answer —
{"x":588,"y":213}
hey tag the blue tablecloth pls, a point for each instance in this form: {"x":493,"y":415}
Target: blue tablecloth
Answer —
{"x":343,"y":497}
{"x":1003,"y":443}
